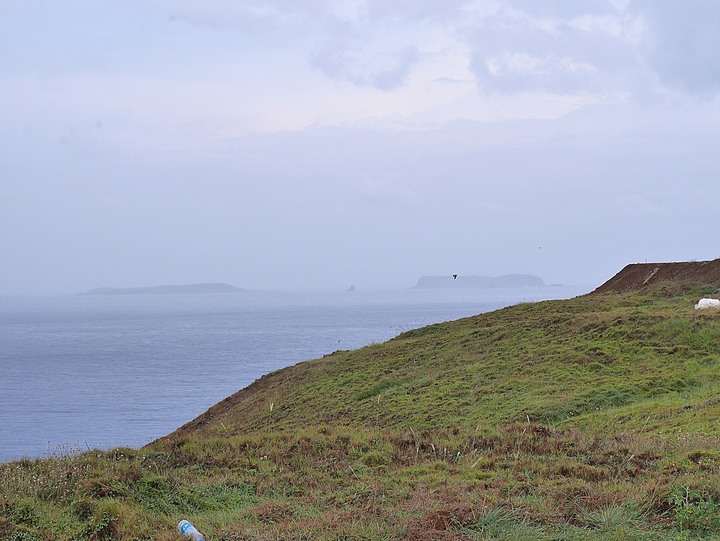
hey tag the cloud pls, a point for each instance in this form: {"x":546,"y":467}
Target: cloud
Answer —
{"x":563,"y":9}
{"x":265,"y":24}
{"x":683,"y":42}
{"x":596,"y":46}
{"x":448,"y":10}
{"x":561,"y":47}
{"x":518,"y":71}
{"x":361,"y":42}
{"x":383,"y":70}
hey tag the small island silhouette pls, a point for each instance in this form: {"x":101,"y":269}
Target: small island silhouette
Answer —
{"x":166,"y":289}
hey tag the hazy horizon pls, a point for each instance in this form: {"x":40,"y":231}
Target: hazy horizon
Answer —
{"x":411,"y":284}
{"x":318,"y":145}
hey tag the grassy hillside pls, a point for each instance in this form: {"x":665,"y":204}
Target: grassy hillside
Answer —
{"x":605,"y":363}
{"x":592,"y":418}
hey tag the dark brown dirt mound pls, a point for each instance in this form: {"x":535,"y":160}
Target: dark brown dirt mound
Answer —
{"x":639,"y":276}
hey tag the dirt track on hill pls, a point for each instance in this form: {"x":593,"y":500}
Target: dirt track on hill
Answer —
{"x":638,"y":276}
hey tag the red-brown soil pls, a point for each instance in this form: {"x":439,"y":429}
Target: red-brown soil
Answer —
{"x":638,"y":276}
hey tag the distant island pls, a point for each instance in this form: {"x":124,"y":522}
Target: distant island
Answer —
{"x":166,"y":290}
{"x":469,"y":281}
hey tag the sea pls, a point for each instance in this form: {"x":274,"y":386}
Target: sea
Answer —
{"x":82,"y":372}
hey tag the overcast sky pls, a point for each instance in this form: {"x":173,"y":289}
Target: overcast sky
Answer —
{"x":316,"y":144}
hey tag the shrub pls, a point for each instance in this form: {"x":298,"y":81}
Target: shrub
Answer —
{"x":695,"y":509}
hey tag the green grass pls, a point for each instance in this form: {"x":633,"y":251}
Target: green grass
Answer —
{"x":592,"y":418}
{"x":511,"y":482}
{"x":607,"y":363}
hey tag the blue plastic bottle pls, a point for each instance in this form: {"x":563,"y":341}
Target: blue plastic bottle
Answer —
{"x":189,"y":530}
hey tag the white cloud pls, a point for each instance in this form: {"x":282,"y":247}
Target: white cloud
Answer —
{"x":520,"y":63}
{"x":563,"y":47}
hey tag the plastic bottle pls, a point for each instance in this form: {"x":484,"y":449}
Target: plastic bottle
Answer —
{"x":188,"y":529}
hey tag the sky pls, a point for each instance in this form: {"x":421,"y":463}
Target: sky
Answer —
{"x":317,"y":144}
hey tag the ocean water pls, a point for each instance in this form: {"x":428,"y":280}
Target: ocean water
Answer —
{"x":81,"y":372}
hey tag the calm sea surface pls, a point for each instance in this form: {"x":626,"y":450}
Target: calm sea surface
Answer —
{"x":107,"y":371}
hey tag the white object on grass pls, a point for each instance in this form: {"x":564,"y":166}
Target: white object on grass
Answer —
{"x":708,"y":304}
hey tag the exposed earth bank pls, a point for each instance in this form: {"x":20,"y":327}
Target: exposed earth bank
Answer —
{"x":639,"y":276}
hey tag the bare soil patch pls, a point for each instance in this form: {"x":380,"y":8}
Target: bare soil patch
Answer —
{"x":639,"y":276}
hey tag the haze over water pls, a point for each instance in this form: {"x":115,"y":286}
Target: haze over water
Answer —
{"x":97,"y":371}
